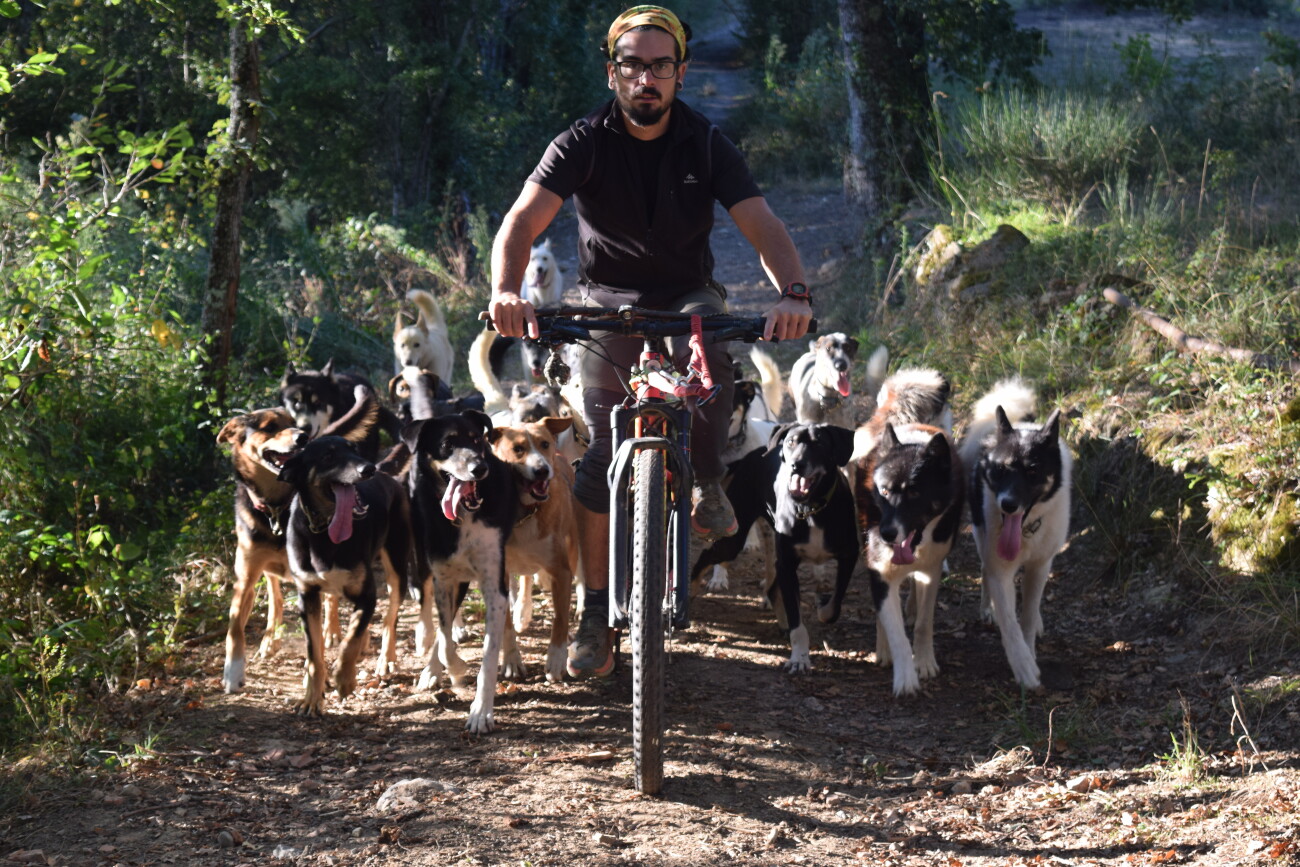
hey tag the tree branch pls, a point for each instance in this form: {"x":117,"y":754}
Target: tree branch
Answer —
{"x":1185,"y":342}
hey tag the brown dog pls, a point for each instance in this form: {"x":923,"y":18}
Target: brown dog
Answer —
{"x":261,"y":441}
{"x":544,"y":542}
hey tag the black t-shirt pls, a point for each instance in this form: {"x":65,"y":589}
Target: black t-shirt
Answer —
{"x":644,"y":235}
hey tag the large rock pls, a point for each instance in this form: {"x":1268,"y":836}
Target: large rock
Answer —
{"x":963,"y":274}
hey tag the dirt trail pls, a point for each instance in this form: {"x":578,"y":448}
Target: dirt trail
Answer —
{"x":763,"y":768}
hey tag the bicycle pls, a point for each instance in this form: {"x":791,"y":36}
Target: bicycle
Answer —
{"x":650,"y":481}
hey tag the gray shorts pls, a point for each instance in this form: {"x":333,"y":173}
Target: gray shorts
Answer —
{"x":605,"y":363}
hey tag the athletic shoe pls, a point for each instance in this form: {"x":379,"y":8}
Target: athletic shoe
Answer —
{"x":711,"y":512}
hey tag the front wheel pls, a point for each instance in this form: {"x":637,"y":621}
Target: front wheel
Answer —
{"x":647,"y":625}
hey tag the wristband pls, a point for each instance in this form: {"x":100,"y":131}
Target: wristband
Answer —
{"x":797,"y":290}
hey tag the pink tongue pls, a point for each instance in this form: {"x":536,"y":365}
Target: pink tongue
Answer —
{"x":345,"y":497}
{"x":903,"y":553}
{"x":451,"y":499}
{"x":798,"y":485}
{"x":1009,"y":538}
{"x":843,"y":384}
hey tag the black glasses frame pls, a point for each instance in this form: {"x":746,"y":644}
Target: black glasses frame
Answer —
{"x":642,"y":67}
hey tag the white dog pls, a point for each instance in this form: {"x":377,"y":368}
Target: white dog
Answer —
{"x":1020,"y":509}
{"x":425,"y":343}
{"x":820,"y":380}
{"x":542,"y":285}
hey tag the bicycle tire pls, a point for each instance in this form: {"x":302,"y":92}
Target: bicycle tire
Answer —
{"x":649,"y":567}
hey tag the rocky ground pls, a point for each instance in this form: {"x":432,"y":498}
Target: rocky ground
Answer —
{"x":1159,"y":741}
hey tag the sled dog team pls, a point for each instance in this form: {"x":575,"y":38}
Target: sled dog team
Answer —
{"x":477,"y":490}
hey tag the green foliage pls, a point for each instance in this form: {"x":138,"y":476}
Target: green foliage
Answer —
{"x":796,"y":127}
{"x":1042,"y":147}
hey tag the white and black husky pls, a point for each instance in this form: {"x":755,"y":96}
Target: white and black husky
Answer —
{"x":908,"y":487}
{"x":1020,"y":509}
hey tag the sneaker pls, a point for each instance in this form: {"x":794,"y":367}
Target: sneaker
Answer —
{"x":711,"y":512}
{"x":592,"y":652}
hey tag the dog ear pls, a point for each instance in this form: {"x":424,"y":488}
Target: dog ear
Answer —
{"x":851,"y":347}
{"x":940,"y":450}
{"x":233,"y":429}
{"x":393,"y":385}
{"x":838,"y":441}
{"x":328,"y":370}
{"x":494,"y":435}
{"x":288,"y":372}
{"x":889,"y":438}
{"x":1051,"y":430}
{"x":778,"y":436}
{"x":1004,"y":423}
{"x":411,"y":434}
{"x":518,"y":392}
{"x":481,"y":418}
{"x":397,"y":325}
{"x":559,"y":425}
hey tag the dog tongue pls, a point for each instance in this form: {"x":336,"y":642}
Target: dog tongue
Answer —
{"x":799,"y":485}
{"x":843,"y":384}
{"x":1009,"y":538}
{"x":903,"y":553}
{"x":345,"y":498}
{"x":456,"y":491}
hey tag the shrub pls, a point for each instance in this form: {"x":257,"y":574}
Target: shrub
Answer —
{"x":1040,"y":147}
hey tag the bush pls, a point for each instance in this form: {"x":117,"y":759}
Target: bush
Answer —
{"x":1044,"y":148}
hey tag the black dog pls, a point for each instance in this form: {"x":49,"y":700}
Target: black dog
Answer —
{"x":344,"y":516}
{"x":796,"y":484}
{"x":320,"y":400}
{"x":422,"y":394}
{"x":463,"y":500}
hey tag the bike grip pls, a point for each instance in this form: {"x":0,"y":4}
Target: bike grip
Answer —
{"x":486,"y":318}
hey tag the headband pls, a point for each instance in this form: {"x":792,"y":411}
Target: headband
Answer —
{"x":655,"y":16}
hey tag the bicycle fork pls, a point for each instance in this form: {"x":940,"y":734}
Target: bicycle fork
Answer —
{"x":677,"y":465}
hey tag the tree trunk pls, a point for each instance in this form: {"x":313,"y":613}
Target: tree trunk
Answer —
{"x":888,"y":90}
{"x":222,"y":293}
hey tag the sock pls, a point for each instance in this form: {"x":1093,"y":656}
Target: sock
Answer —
{"x":596,"y":598}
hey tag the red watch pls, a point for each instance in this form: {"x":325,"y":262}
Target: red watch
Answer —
{"x":797,"y":290}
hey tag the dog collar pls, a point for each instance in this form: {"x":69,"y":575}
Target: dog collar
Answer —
{"x":529,"y":511}
{"x":274,"y":514}
{"x":830,"y":403}
{"x":804,"y":511}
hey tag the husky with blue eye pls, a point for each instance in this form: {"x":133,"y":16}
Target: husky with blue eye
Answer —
{"x":1020,"y":510}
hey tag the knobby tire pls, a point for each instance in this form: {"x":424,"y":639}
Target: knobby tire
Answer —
{"x":649,"y":567}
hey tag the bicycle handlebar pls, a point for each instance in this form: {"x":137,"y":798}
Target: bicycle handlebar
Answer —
{"x":567,"y":324}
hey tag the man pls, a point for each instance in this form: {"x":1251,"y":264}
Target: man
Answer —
{"x":644,"y":171}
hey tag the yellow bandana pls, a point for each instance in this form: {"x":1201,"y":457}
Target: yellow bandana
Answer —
{"x":656,"y":16}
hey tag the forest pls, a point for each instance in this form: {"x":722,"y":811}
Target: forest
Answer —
{"x":1103,"y":200}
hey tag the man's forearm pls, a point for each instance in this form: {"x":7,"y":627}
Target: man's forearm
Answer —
{"x":510,"y":251}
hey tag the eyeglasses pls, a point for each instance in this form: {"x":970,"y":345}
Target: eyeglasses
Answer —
{"x":636,"y":69}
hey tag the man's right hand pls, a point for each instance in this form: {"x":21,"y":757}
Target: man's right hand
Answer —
{"x":512,"y":316}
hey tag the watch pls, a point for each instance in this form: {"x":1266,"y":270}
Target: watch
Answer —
{"x":797,"y":290}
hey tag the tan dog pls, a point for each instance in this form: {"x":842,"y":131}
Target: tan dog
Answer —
{"x":261,"y":441}
{"x":544,"y":542}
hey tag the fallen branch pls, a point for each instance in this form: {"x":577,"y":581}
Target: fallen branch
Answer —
{"x":1189,"y":343}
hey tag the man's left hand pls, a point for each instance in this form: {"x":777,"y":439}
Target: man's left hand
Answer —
{"x":788,"y":320}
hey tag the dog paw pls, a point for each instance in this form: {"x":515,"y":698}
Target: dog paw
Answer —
{"x":798,"y":663}
{"x":345,"y":683}
{"x":513,"y":668}
{"x":906,"y":682}
{"x":926,"y":668}
{"x":232,"y":678}
{"x":422,"y":646}
{"x":557,"y":656}
{"x":718,"y":581}
{"x":310,"y":706}
{"x":385,"y":667}
{"x":268,"y":648}
{"x":480,"y":720}
{"x":428,"y":681}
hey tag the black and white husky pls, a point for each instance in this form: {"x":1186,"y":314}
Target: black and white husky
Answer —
{"x":1020,"y":509}
{"x":908,"y":486}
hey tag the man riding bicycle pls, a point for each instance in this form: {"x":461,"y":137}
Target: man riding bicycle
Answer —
{"x":644,"y":170}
